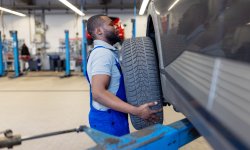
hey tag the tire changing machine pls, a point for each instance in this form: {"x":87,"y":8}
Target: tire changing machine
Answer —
{"x":159,"y":137}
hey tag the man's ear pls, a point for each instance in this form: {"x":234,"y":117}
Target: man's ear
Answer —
{"x":98,"y":31}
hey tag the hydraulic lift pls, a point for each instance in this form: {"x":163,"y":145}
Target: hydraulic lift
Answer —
{"x":84,"y":49}
{"x":159,"y":137}
{"x":16,"y":54}
{"x":2,"y":69}
{"x":67,"y":55}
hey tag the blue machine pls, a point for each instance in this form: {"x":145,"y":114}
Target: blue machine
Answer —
{"x":67,"y":54}
{"x":84,"y":49}
{"x":2,"y":70}
{"x":16,"y":53}
{"x":157,"y":137}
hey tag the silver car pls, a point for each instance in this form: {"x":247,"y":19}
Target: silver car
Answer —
{"x":195,"y":57}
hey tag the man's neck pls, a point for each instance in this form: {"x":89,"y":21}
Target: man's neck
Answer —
{"x":105,"y":40}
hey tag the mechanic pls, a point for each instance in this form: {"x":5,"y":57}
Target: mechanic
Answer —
{"x":108,"y":107}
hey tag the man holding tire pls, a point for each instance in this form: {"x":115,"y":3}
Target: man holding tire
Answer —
{"x":108,"y":106}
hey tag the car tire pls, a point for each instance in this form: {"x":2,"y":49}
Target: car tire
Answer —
{"x":141,"y":76}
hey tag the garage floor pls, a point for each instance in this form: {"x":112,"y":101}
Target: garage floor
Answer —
{"x":33,"y":105}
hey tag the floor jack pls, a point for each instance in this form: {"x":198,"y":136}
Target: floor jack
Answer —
{"x":159,"y":137}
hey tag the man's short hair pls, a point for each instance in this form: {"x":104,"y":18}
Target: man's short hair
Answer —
{"x":93,"y":23}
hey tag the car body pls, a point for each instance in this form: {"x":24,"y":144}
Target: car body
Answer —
{"x":203,"y":49}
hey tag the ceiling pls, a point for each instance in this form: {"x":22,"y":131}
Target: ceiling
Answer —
{"x":56,"y":5}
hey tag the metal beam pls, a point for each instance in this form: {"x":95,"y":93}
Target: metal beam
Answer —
{"x":67,"y":53}
{"x":59,"y":7}
{"x":15,"y":53}
{"x":2,"y":70}
{"x":28,"y":2}
{"x":84,"y":48}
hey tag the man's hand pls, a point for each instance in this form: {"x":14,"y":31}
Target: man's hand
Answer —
{"x":100,"y":94}
{"x":146,"y":113}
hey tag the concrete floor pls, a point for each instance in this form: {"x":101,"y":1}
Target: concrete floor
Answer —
{"x":33,"y":105}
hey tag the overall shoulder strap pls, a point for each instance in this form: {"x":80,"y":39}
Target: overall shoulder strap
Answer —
{"x":108,"y":49}
{"x":98,"y":47}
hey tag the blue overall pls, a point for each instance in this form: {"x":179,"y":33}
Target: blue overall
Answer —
{"x":110,"y":121}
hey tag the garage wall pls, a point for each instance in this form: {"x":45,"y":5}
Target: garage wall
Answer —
{"x":141,"y":25}
{"x":57,"y":23}
{"x":25,"y":27}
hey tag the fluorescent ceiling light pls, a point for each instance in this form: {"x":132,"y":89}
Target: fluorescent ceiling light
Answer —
{"x":143,"y":7}
{"x":157,"y":12}
{"x":173,"y":5}
{"x":12,"y":12}
{"x":68,"y":4}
